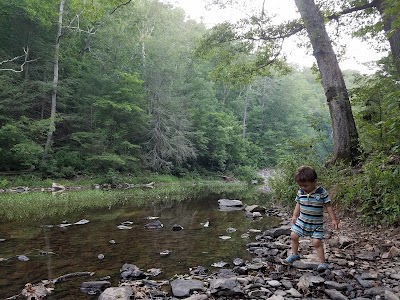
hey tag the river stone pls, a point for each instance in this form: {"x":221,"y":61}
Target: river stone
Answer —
{"x":94,"y":287}
{"x":275,"y":232}
{"x":184,"y":287}
{"x":305,"y":264}
{"x":227,"y":202}
{"x":335,"y":295}
{"x":294,"y":293}
{"x":255,"y":208}
{"x":117,"y":293}
{"x":129,"y":271}
{"x":154,"y":225}
{"x":274,"y":283}
{"x":225,"y":287}
{"x":336,"y":285}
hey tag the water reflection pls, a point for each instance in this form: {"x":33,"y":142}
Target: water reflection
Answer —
{"x":54,"y":251}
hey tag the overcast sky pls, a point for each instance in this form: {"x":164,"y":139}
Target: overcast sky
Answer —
{"x":358,"y":53}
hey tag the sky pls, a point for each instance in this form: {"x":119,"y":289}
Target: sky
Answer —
{"x":359,"y":55}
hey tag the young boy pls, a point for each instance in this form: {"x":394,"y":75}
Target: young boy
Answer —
{"x":308,"y":214}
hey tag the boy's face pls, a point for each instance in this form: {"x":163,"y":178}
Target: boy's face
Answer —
{"x":307,"y":186}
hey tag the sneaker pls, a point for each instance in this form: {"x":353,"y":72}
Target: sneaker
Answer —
{"x":322,"y":267}
{"x":291,"y":258}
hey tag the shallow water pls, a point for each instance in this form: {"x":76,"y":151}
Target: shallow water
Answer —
{"x":76,"y":248}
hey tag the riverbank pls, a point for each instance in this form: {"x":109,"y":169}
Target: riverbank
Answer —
{"x":364,"y":263}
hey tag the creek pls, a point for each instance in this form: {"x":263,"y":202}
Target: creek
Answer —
{"x":55,"y":249}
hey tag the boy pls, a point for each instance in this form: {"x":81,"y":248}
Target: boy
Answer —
{"x":308,"y":214}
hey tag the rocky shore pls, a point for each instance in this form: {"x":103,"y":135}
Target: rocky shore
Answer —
{"x":364,"y":263}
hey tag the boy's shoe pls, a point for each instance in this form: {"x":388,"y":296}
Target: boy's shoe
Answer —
{"x":291,"y":258}
{"x":322,"y":267}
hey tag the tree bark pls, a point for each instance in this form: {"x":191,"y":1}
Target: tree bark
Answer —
{"x":392,"y":33}
{"x":345,"y":137}
{"x":52,"y":126}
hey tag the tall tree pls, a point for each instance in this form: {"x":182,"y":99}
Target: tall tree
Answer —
{"x":52,"y":125}
{"x":344,"y":130}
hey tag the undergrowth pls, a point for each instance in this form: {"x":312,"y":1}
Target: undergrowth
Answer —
{"x":371,"y":192}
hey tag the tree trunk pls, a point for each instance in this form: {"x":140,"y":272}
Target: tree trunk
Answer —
{"x":345,"y":137}
{"x":245,"y":107}
{"x":392,"y":33}
{"x":52,"y":126}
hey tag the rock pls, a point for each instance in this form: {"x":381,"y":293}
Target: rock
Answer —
{"x":177,"y":227}
{"x":255,"y":208}
{"x":94,"y":287}
{"x":184,"y":287}
{"x":394,"y":252}
{"x":306,"y":264}
{"x":335,"y":295}
{"x":129,"y":271}
{"x":336,"y":286}
{"x":274,"y":283}
{"x":117,"y":293}
{"x":225,"y":287}
{"x":154,"y":225}
{"x":295,"y":293}
{"x":22,"y":258}
{"x":276,"y":232}
{"x":197,"y":297}
{"x":230,"y":203}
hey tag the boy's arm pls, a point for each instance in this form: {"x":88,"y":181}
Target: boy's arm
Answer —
{"x":329,"y":208}
{"x":296,"y":212}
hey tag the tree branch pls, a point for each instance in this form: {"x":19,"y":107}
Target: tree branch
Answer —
{"x":26,"y":60}
{"x":118,"y":6}
{"x":346,"y":11}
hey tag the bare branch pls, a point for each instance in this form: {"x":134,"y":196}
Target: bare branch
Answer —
{"x":118,"y":6}
{"x":26,"y":60}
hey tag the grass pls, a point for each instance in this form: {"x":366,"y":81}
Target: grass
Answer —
{"x":41,"y":205}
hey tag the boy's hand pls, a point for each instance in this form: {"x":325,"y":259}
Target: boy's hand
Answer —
{"x":335,"y":224}
{"x":294,"y":218}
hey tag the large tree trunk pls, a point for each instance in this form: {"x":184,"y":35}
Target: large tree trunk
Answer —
{"x":52,"y":126}
{"x":345,"y":137}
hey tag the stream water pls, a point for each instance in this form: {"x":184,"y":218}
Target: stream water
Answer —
{"x":55,"y":251}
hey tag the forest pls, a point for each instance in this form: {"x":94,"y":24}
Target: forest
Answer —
{"x":128,"y":88}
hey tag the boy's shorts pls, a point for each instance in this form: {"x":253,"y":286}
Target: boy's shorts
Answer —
{"x":313,"y":231}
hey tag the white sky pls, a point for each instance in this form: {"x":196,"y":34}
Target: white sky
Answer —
{"x":357,"y":56}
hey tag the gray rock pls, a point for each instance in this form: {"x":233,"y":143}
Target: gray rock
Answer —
{"x":306,"y":264}
{"x":94,"y":287}
{"x":335,"y":295}
{"x":336,"y":285}
{"x":275,"y":232}
{"x":295,"y":293}
{"x":229,"y":203}
{"x":225,"y":287}
{"x":184,"y":287}
{"x":129,"y":271}
{"x":117,"y":293}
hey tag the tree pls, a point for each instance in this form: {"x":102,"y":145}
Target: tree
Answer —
{"x":344,"y":129}
{"x":388,"y":22}
{"x":52,"y":125}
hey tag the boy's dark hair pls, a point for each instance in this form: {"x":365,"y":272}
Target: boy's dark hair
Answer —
{"x":305,"y":174}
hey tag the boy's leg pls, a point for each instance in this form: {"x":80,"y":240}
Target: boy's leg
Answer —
{"x":319,"y":247}
{"x":295,"y":243}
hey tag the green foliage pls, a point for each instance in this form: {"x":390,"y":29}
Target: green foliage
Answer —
{"x":17,"y":152}
{"x":374,"y":192}
{"x":246,"y":174}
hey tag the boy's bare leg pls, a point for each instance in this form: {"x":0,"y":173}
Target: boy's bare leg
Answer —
{"x":319,"y":247}
{"x":295,"y":243}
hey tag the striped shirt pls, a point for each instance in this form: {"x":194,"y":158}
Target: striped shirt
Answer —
{"x":310,"y":221}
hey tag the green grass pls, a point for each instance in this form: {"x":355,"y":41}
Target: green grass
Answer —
{"x":41,"y":205}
